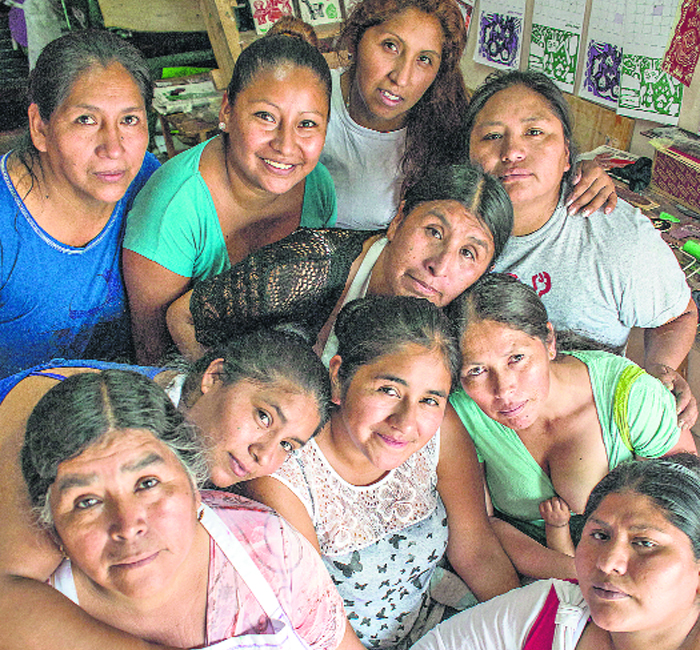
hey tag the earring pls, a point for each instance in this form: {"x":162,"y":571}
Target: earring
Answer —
{"x":222,"y":126}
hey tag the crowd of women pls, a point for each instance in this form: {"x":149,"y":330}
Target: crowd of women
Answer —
{"x":368,"y":429}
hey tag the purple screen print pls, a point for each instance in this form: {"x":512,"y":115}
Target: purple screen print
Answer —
{"x":500,"y":36}
{"x":602,"y":76}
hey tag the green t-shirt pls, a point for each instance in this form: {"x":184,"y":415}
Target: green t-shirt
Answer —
{"x":517,"y":484}
{"x":173,"y":221}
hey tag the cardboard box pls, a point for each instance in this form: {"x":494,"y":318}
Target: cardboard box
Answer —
{"x":676,"y":179}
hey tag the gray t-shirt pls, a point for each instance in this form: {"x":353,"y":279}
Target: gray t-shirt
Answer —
{"x":600,"y":275}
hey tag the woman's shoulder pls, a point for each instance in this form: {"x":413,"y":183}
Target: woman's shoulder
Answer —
{"x":168,"y":179}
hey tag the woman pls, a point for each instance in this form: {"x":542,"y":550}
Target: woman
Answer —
{"x":211,"y":206}
{"x":600,"y":276}
{"x":452,"y":224}
{"x":397,"y":108}
{"x":545,"y":424}
{"x":638,"y":564}
{"x":253,"y":402}
{"x":63,"y":196}
{"x":144,"y":551}
{"x":382,"y":492}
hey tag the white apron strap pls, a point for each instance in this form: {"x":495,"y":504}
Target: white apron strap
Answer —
{"x":258,"y":585}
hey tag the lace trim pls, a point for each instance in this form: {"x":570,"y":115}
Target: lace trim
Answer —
{"x":349,"y":517}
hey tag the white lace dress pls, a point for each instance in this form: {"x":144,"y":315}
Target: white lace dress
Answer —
{"x":380,"y":543}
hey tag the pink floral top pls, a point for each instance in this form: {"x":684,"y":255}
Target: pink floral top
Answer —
{"x":290,"y":564}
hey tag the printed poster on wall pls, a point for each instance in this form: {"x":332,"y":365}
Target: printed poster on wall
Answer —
{"x":320,"y":12}
{"x":646,"y":91}
{"x":467,"y":9}
{"x":267,"y":12}
{"x":600,"y":81}
{"x":555,"y":40}
{"x":684,"y":49}
{"x":500,"y":35}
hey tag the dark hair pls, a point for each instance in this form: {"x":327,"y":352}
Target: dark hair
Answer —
{"x":433,"y":124}
{"x":375,"y":326}
{"x":672,"y":483}
{"x":80,"y":410}
{"x":502,"y":298}
{"x":270,"y":52}
{"x":64,"y":60}
{"x":296,"y":28}
{"x":479,"y":192}
{"x":266,"y":356}
{"x":537,"y":82}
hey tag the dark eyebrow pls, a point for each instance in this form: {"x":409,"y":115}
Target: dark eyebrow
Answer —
{"x":97,"y":109}
{"x":638,"y":528}
{"x":396,"y":36}
{"x":439,"y":214}
{"x":544,"y":117}
{"x":151,"y":459}
{"x":75,"y":480}
{"x":403,"y":382}
{"x":262,"y":100}
{"x":84,"y":480}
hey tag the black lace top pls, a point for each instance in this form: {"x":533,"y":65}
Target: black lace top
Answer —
{"x":296,"y":280}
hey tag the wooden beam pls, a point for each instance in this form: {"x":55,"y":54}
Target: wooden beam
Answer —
{"x":220,"y":20}
{"x":153,"y":15}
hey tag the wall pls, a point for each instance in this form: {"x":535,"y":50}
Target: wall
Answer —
{"x":475,"y":73}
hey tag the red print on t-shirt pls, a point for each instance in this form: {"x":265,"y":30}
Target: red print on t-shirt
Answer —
{"x":542,"y":283}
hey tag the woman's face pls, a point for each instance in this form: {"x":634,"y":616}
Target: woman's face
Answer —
{"x":277,"y":128}
{"x":393,"y":406}
{"x":396,"y":62}
{"x":506,"y":372}
{"x":636,"y":570}
{"x":436,"y":251}
{"x":251,"y":427}
{"x":126,"y":513}
{"x":518,"y":138}
{"x":93,"y":145}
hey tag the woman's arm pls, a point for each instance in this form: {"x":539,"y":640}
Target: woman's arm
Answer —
{"x":472,"y":547}
{"x":181,"y":328}
{"x":593,"y":189}
{"x":278,"y":496}
{"x":665,"y":347}
{"x":35,"y":617}
{"x":150,"y":288}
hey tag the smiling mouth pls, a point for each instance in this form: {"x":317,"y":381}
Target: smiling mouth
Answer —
{"x":238,"y":468}
{"x":390,"y":96}
{"x":395,"y":443}
{"x":512,"y":411}
{"x":283,"y":167}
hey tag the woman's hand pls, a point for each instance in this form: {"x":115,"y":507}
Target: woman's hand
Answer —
{"x":181,"y":328}
{"x":593,"y":189}
{"x":686,"y":404}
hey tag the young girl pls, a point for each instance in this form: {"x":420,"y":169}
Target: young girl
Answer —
{"x":381,"y":493}
{"x":213,"y":204}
